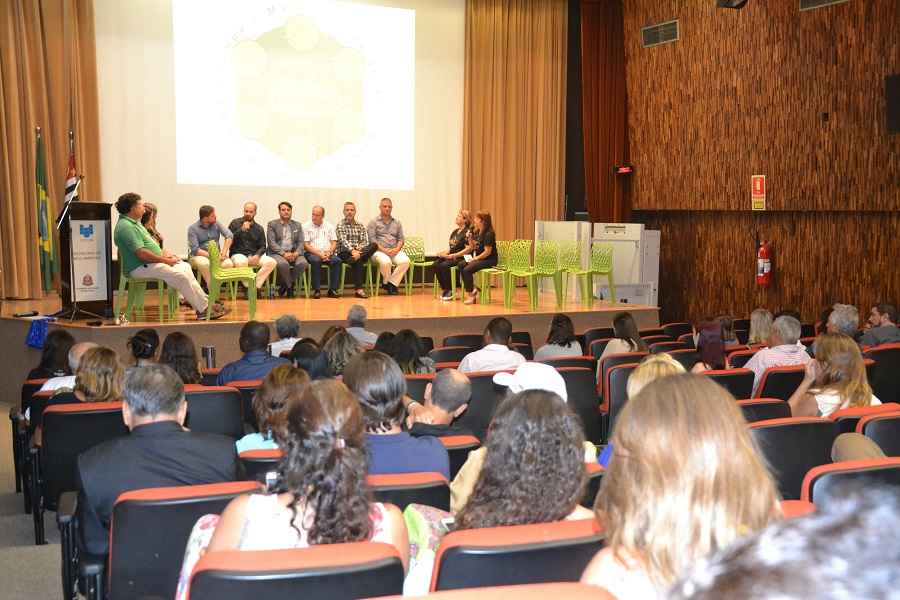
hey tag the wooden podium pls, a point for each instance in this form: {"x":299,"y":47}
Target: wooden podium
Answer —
{"x":85,"y":251}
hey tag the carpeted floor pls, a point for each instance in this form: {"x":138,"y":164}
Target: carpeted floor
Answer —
{"x":26,"y":570}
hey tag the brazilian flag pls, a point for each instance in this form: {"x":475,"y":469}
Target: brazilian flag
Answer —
{"x":45,"y":235}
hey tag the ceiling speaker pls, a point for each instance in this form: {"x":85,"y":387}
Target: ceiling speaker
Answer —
{"x":730,"y":3}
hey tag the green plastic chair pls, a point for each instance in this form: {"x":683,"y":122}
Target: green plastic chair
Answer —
{"x":219,"y":275}
{"x":415,"y":250}
{"x":135,"y":290}
{"x":518,"y":265}
{"x":368,"y":284}
{"x":546,"y":266}
{"x":570,"y":263}
{"x":601,"y":264}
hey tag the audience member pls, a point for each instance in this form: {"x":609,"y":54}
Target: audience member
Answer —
{"x":384,"y":342}
{"x":844,"y":318}
{"x":180,"y":354}
{"x":288,"y":329}
{"x":729,"y":337}
{"x":321,"y":495}
{"x":484,"y":254}
{"x":378,"y":383}
{"x":248,"y":246}
{"x":711,"y":347}
{"x":387,"y":233}
{"x":54,"y":356}
{"x":329,"y":333}
{"x":459,"y":245}
{"x":446,"y":398}
{"x":822,"y":324}
{"x":354,"y":247}
{"x":143,"y":346}
{"x":356,"y":325}
{"x":271,"y":405}
{"x":285,"y":241}
{"x":789,"y":312}
{"x":339,"y":350}
{"x":256,"y":362}
{"x":321,"y":250}
{"x":208,"y":229}
{"x":309,"y":357}
{"x":846,"y":550}
{"x":626,"y":337}
{"x":408,"y":352}
{"x":760,"y":326}
{"x":561,"y":341}
{"x":783,"y":350}
{"x":495,"y":355}
{"x":653,"y":367}
{"x":834,"y":380}
{"x":74,"y":357}
{"x":158,"y":453}
{"x":686,"y":479}
{"x":883,"y":330}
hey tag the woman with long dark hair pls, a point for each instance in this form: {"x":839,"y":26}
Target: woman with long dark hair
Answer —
{"x":484,"y":253}
{"x":561,"y":341}
{"x":460,"y":244}
{"x":148,"y":220}
{"x":312,"y":359}
{"x":408,"y":352}
{"x":321,"y":495}
{"x":711,"y":347}
{"x":54,"y":356}
{"x":143,"y":346}
{"x":180,"y":353}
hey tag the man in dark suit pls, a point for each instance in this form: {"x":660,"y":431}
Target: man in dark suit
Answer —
{"x":285,"y":241}
{"x":159,"y":452}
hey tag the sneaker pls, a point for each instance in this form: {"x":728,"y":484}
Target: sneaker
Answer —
{"x":392,"y":290}
{"x":317,"y":294}
{"x":361,"y":294}
{"x":447,"y":296}
{"x":333,"y":294}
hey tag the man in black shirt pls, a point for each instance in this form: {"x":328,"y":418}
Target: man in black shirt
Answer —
{"x":248,"y":247}
{"x":446,"y":398}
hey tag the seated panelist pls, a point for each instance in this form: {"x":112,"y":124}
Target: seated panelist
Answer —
{"x":248,"y":247}
{"x":208,"y":229}
{"x":285,"y":242}
{"x":321,"y":248}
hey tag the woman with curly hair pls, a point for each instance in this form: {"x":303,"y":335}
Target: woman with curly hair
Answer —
{"x":180,"y":353}
{"x":339,"y":350}
{"x":321,"y":496}
{"x":271,"y":404}
{"x":686,"y":479}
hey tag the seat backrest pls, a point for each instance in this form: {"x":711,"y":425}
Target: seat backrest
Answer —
{"x":414,"y":247}
{"x":446,"y":365}
{"x":416,"y":384}
{"x":248,"y":388}
{"x":450,"y":353}
{"x":848,"y":418}
{"x":660,"y":347}
{"x":738,"y":382}
{"x":885,"y":381}
{"x":509,"y":555}
{"x":675,"y":330}
{"x":792,"y":447}
{"x":36,"y":405}
{"x":651,"y":332}
{"x":739,"y":358}
{"x":807,"y":330}
{"x":601,"y":258}
{"x":688,"y":357}
{"x":585,"y":362}
{"x":581,"y":388}
{"x":653,"y":339}
{"x":521,"y":337}
{"x":519,"y":255}
{"x":595,"y":473}
{"x":597,"y":346}
{"x":259,"y":463}
{"x":486,"y":396}
{"x":524,"y":349}
{"x":742,"y":335}
{"x":686,"y":338}
{"x":209,"y":376}
{"x":427,"y":343}
{"x":29,"y":388}
{"x":214,"y":409}
{"x":150,"y":529}
{"x":430,"y":489}
{"x":825,"y":482}
{"x":597,"y":333}
{"x":780,"y":382}
{"x":618,"y":391}
{"x":458,"y":448}
{"x":354,"y":570}
{"x":69,"y":430}
{"x":884,"y":430}
{"x":608,"y":363}
{"x":763,"y":409}
{"x":546,"y":255}
{"x":472,"y":340}
{"x":741,"y":324}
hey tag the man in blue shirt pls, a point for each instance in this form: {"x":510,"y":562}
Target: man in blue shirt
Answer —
{"x":256,"y":362}
{"x":207,"y":229}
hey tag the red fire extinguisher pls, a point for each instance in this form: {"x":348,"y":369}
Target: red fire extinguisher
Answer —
{"x":764,"y":264}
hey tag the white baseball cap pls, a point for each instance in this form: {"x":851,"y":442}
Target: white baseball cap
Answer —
{"x":533,"y":376}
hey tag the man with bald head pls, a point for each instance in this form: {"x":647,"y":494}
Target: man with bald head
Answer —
{"x":446,"y":398}
{"x":74,"y":356}
{"x":320,"y":245}
{"x":248,"y":246}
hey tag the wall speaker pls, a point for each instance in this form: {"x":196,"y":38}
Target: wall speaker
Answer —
{"x":892,"y":100}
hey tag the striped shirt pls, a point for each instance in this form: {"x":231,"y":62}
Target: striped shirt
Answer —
{"x":786,"y":355}
{"x":319,"y":236}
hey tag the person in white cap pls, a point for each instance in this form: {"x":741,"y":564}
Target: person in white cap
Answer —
{"x":528,"y":376}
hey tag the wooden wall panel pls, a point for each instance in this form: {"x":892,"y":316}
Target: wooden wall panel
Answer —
{"x":708,"y":263}
{"x":743,"y":92}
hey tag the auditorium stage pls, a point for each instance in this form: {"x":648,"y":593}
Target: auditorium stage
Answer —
{"x":419,"y":311}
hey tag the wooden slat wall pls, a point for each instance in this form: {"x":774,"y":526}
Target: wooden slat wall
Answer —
{"x":743,"y":92}
{"x":708,"y":264}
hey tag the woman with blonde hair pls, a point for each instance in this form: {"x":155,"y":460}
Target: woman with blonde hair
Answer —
{"x":760,"y":327}
{"x":834,"y":380}
{"x":686,"y":480}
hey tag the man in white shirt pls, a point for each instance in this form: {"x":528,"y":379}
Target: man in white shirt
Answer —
{"x":783,"y":350}
{"x":320,"y":244}
{"x":74,"y":356}
{"x":496,"y":355}
{"x":288,"y":329}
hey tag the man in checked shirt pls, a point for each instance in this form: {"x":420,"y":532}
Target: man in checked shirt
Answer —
{"x":354,"y":246}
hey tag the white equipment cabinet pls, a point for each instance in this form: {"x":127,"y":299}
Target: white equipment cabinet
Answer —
{"x":635,"y":262}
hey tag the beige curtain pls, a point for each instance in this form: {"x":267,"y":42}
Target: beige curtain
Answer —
{"x":48,"y":79}
{"x":514,"y":113}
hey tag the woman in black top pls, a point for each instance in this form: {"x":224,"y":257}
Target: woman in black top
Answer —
{"x":460,"y":244}
{"x":54,"y":356}
{"x":485,"y":253}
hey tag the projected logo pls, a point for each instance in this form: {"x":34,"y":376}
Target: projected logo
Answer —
{"x":299,"y":92}
{"x":86,"y":231}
